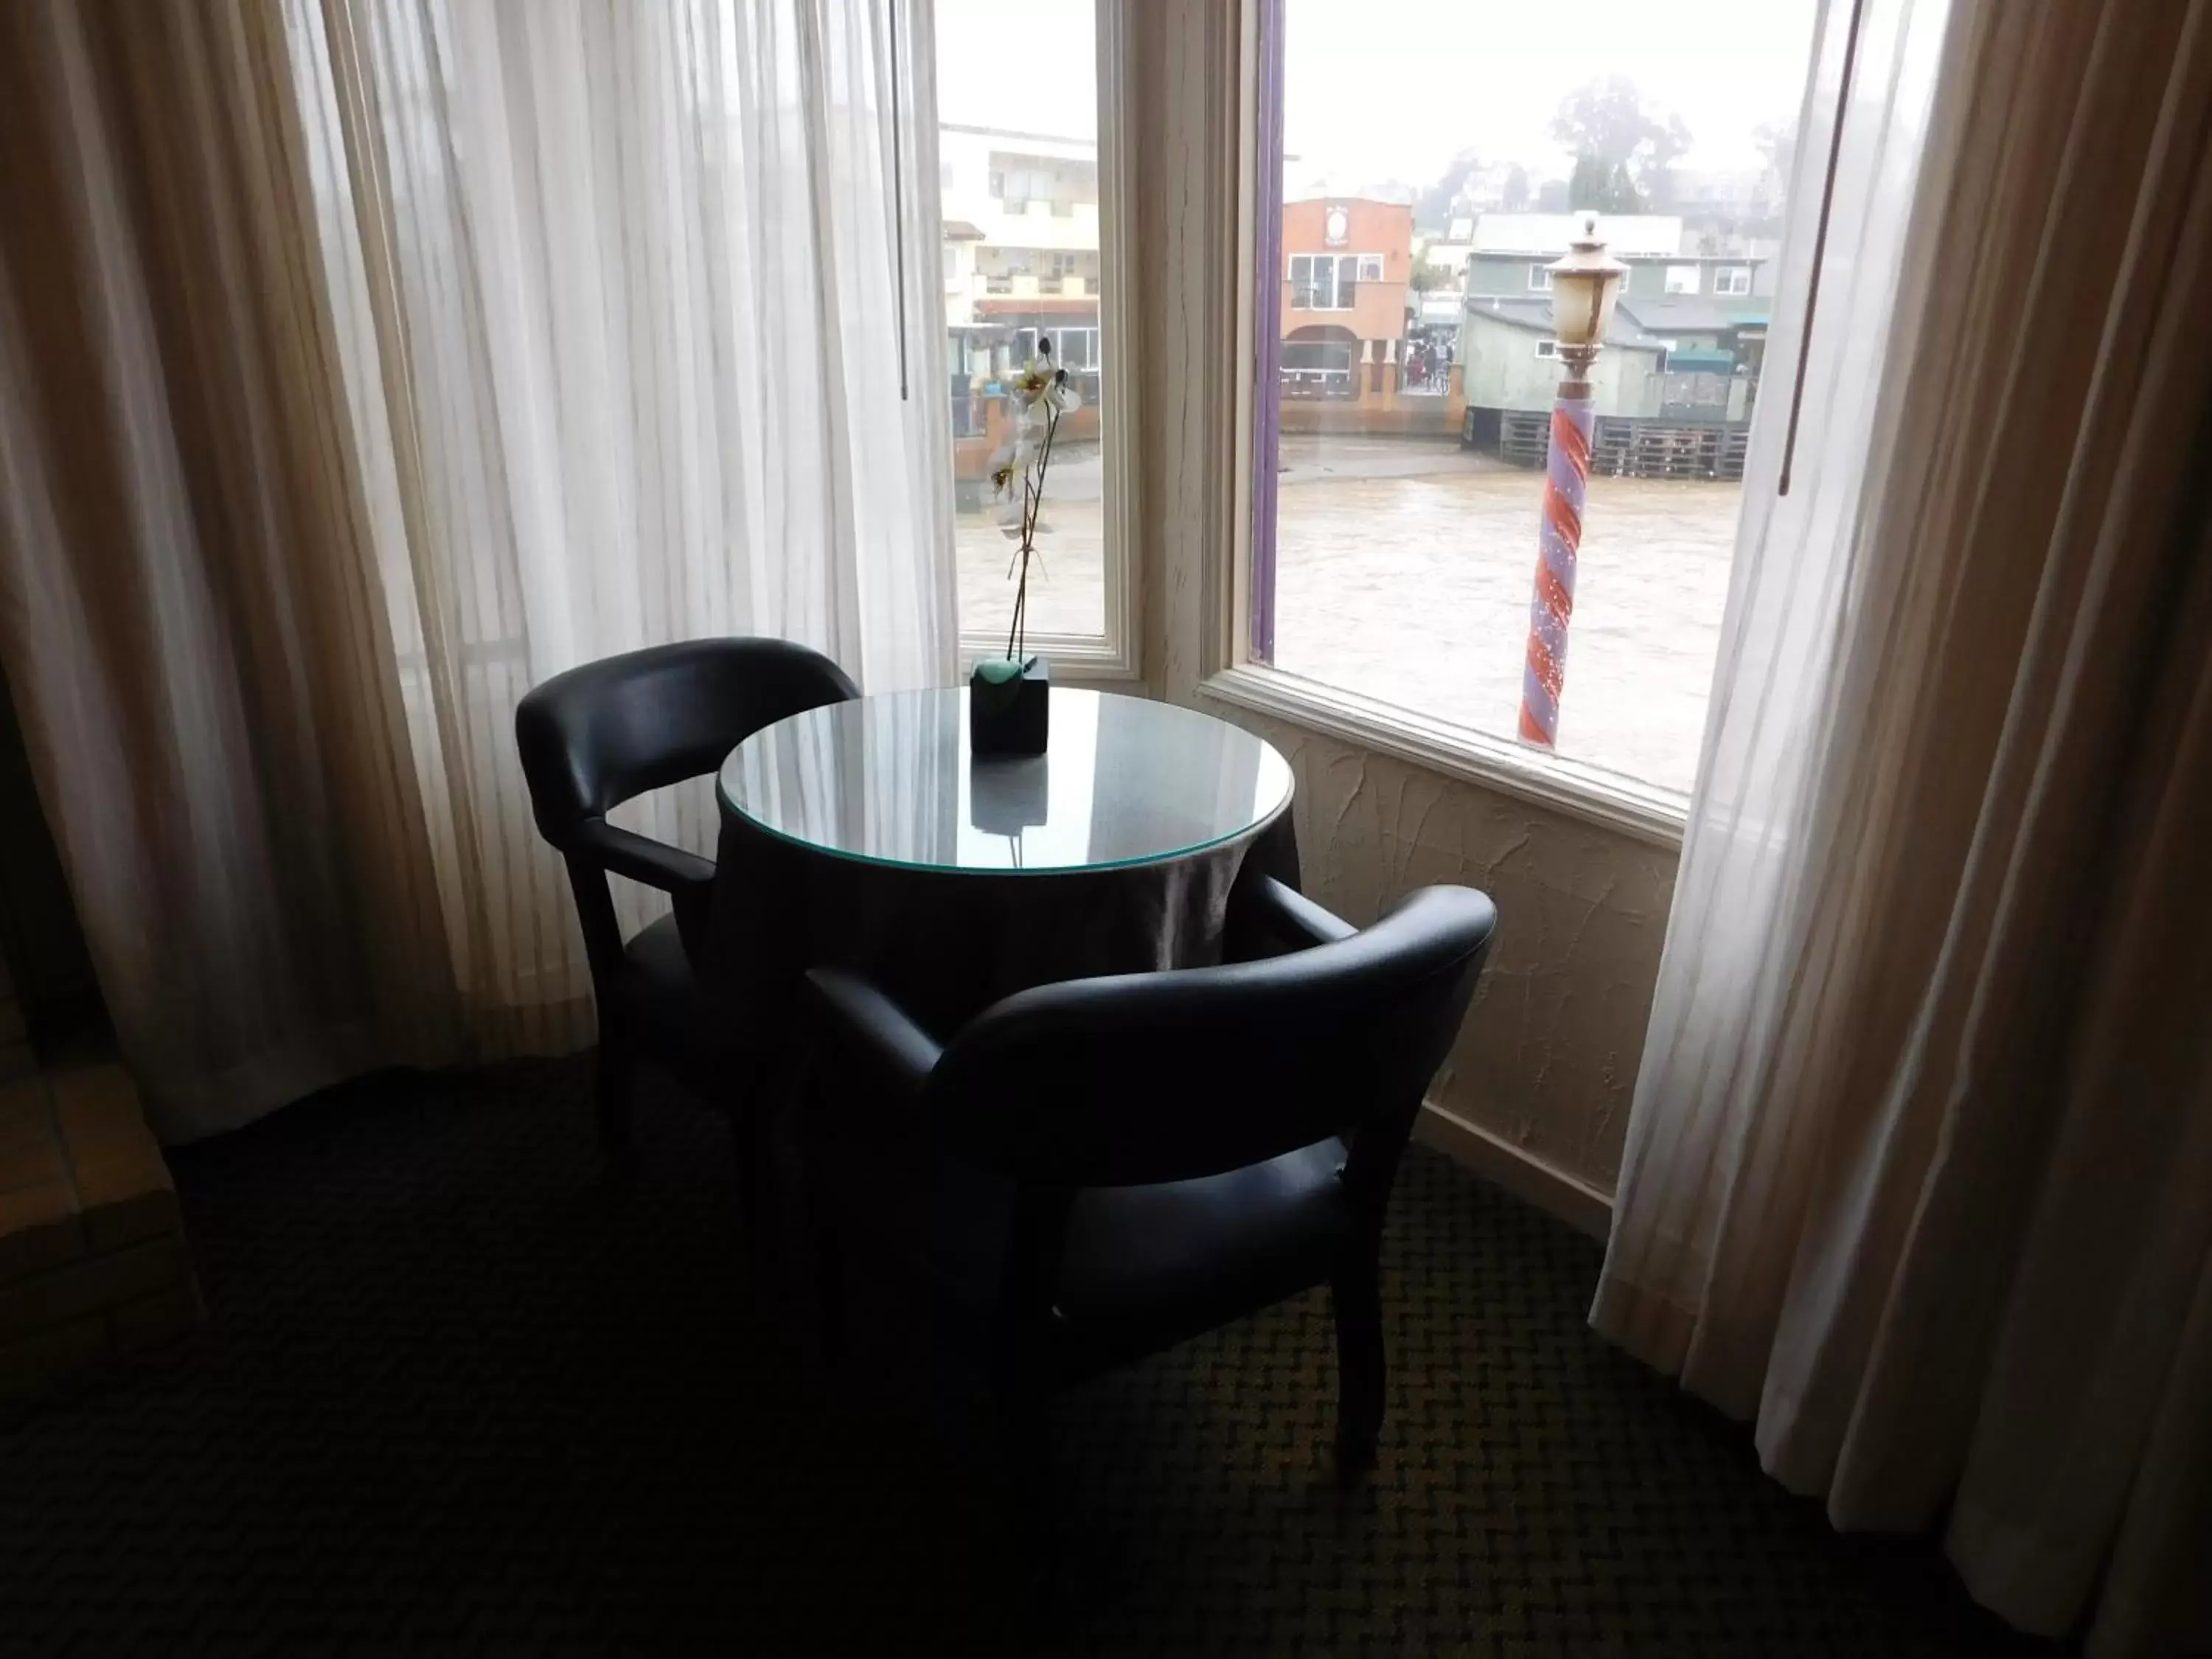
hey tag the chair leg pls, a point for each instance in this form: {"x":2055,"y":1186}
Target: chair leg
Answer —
{"x":612,"y":1088}
{"x":1357,"y":1299}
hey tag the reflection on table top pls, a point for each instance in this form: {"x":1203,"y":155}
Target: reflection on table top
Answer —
{"x":890,"y":780}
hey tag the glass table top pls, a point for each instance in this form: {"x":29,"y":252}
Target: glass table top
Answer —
{"x":890,"y":780}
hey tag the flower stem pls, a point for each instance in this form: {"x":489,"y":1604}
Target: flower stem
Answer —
{"x":1032,"y":504}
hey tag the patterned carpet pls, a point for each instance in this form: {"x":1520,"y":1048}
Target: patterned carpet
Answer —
{"x":463,"y":1392}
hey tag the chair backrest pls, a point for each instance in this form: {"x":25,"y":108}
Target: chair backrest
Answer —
{"x":1146,"y":1078}
{"x":596,"y":735}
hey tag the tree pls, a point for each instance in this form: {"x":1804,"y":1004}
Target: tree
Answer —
{"x":1778,"y":143}
{"x":1602,"y":187}
{"x":1621,"y":144}
{"x":1427,"y":279}
{"x":1517,"y":188}
{"x":1432,"y":206}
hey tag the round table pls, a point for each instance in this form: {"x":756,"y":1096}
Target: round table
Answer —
{"x":866,"y":836}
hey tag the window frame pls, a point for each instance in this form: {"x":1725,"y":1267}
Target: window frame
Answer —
{"x":1111,"y":657}
{"x":1343,"y":291}
{"x":1539,"y":278}
{"x":1205,"y":625}
{"x":1731,"y":275}
{"x":1315,"y":264}
{"x":1693,"y":274}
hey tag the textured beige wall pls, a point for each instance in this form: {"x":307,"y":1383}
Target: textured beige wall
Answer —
{"x":1548,"y":1059}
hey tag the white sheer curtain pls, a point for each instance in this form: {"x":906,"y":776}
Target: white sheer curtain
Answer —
{"x":1918,"y":1170}
{"x":362,"y":364}
{"x":619,"y":286}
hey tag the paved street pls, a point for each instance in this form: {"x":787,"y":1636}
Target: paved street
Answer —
{"x":1404,"y":571}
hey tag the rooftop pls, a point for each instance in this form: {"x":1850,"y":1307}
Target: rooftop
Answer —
{"x":1553,"y":232}
{"x":1534,"y":316}
{"x":1685,"y":315}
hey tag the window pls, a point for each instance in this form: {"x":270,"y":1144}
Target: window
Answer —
{"x":1330,"y":282}
{"x":1313,"y":282}
{"x":1393,"y":537}
{"x":1078,"y":348}
{"x":1044,"y":186}
{"x":951,"y":263}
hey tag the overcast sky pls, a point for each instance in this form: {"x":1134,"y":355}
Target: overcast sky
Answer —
{"x":1380,"y":89}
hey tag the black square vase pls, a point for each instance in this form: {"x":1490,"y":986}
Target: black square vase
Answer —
{"x":1010,"y":717}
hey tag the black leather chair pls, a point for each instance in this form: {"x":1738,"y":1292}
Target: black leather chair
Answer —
{"x":594,"y":737}
{"x":1172,"y":1150}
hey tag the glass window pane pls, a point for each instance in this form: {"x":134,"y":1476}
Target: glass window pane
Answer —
{"x":1414,"y":373}
{"x":1020,"y":205}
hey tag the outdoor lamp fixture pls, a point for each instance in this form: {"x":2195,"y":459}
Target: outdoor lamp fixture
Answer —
{"x":1583,"y":284}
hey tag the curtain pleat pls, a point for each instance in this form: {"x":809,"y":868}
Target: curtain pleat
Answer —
{"x":1919,"y":1171}
{"x":200,"y":661}
{"x":629,"y":274}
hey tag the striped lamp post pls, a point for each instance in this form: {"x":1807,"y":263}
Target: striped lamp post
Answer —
{"x":1583,"y":284}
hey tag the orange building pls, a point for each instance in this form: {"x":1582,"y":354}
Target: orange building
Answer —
{"x":1345,"y":266}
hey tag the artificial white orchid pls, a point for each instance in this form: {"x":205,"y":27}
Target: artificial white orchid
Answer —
{"x":1042,"y":387}
{"x":1040,"y":392}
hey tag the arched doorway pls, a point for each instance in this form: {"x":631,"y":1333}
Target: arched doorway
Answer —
{"x":1320,"y":359}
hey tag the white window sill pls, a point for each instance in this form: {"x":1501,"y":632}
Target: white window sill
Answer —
{"x":1608,"y":799}
{"x":1073,"y":658}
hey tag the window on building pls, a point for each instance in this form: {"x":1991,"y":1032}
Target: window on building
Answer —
{"x":1732,"y":280}
{"x":951,"y":263}
{"x":1055,"y":164}
{"x":1075,"y":348}
{"x":1313,"y":282}
{"x":1330,"y":282}
{"x":1397,"y":509}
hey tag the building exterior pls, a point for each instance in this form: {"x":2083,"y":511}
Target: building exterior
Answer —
{"x":1676,"y":383}
{"x":1347,"y":263}
{"x":1021,"y":259}
{"x":1511,"y":252}
{"x":1021,"y":246}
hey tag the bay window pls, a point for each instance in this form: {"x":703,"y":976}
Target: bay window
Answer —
{"x":1393,"y":522}
{"x":1043,"y":241}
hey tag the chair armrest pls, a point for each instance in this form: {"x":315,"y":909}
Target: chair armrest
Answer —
{"x":1272,"y":920}
{"x":856,"y":1023}
{"x":624,"y":853}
